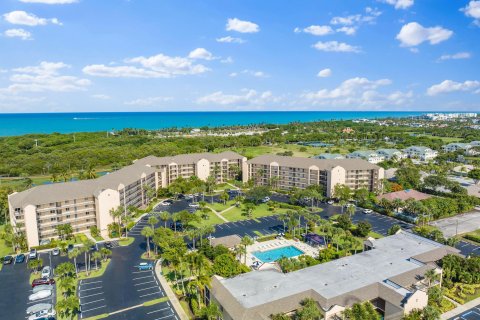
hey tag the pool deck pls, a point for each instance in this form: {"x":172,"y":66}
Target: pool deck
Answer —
{"x":278,"y":243}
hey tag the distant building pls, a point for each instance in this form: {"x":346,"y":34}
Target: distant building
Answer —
{"x":390,"y":154}
{"x":390,"y":274}
{"x":368,"y":155}
{"x":422,"y":153}
{"x":329,"y":156}
{"x":348,"y":130}
{"x":456,"y":146}
{"x":294,"y":172}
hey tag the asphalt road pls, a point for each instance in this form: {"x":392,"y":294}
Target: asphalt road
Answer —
{"x":470,"y":314}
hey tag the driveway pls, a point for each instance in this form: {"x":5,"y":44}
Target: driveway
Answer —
{"x":459,"y":224}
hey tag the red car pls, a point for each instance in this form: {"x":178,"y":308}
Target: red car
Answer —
{"x":40,"y":282}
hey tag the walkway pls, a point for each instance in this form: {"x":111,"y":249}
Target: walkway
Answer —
{"x":218,"y":214}
{"x":460,"y":309}
{"x":171,"y":296}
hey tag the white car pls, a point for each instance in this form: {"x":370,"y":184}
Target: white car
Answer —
{"x":42,"y":287}
{"x":43,"y":314}
{"x":330,"y":201}
{"x":46,"y":272}
{"x":40,"y":295}
{"x":194,"y":205}
{"x":165,"y":203}
{"x":367,"y":211}
{"x":32,"y":254}
{"x":266,"y":199}
{"x":348,"y":205}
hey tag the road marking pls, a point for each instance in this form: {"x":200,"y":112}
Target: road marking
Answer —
{"x":158,"y":310}
{"x":147,"y":288}
{"x":92,"y":301}
{"x":219,"y":226}
{"x":141,"y":278}
{"x":85,"y":283}
{"x":139,"y":284}
{"x":149,"y":294}
{"x":141,"y":271}
{"x":94,"y":294}
{"x":164,"y":317}
{"x":90,"y":289}
{"x":93,"y":309}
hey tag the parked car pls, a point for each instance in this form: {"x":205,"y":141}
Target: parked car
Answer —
{"x":348,"y":205}
{"x":40,"y":295}
{"x":38,"y":307}
{"x":70,"y":248}
{"x":330,"y":202}
{"x":20,"y":258}
{"x":45,"y":242}
{"x":94,"y":247}
{"x":33,"y":254}
{"x":56,"y":252}
{"x":42,"y":282}
{"x":143,"y":266}
{"x":367,"y":211}
{"x":7,"y":260}
{"x":43,"y":314}
{"x":176,"y":226}
{"x":266,"y":199}
{"x":46,"y":271}
{"x":108,"y":245}
{"x":194,"y":205}
{"x":40,"y":288}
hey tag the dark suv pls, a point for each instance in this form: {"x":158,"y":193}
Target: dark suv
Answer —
{"x":7,"y":260}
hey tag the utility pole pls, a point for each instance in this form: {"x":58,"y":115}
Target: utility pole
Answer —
{"x":456,"y":229}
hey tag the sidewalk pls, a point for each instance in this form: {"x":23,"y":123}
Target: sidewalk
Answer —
{"x":170,"y":294}
{"x":460,"y":309}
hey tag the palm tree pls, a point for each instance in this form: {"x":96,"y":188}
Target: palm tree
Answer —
{"x":431,"y":275}
{"x":246,"y":241}
{"x":105,"y":253}
{"x":192,"y":235}
{"x":96,"y":256}
{"x":148,"y":232}
{"x":73,"y":255}
{"x":116,"y":213}
{"x":284,"y":218}
{"x":67,"y":285}
{"x":397,"y":203}
{"x":85,"y":248}
{"x":68,"y":307}
{"x":350,"y":211}
{"x":211,"y":312}
{"x":164,"y":216}
{"x":64,"y":270}
{"x":152,"y":221}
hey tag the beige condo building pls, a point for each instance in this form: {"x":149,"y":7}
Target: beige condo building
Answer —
{"x":294,"y":172}
{"x":86,"y":203}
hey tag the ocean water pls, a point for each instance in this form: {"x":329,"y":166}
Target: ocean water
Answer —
{"x":29,"y":123}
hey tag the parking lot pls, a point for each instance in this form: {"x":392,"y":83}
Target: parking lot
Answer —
{"x":160,"y":311}
{"x":471,"y":314}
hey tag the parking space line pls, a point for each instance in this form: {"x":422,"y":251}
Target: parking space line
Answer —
{"x":91,"y":289}
{"x":141,"y":271}
{"x":149,"y":294}
{"x":147,"y":288}
{"x":94,"y":294}
{"x":164,"y":317}
{"x":139,"y":284}
{"x":158,"y":310}
{"x":142,"y":277}
{"x":94,"y":309}
{"x":92,"y":301}
{"x":85,"y":283}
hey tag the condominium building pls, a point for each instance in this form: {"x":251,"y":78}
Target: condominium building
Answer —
{"x":329,"y":156}
{"x":390,"y":154}
{"x":293,"y":172}
{"x":86,"y":203}
{"x":390,"y":273}
{"x":422,"y":153}
{"x":368,"y":155}
{"x":466,"y":147}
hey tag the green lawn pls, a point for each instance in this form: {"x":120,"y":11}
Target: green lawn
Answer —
{"x":261,"y":210}
{"x":220,"y":206}
{"x":4,"y":249}
{"x":212,"y":220}
{"x":126,"y":241}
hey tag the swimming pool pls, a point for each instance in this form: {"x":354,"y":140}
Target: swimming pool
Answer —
{"x":275,"y":254}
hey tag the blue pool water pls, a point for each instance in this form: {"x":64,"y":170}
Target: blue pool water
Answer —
{"x":276,"y":254}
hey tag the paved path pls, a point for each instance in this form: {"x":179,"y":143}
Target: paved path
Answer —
{"x":456,"y":313}
{"x":459,"y":224}
{"x":218,"y":214}
{"x":171,"y":296}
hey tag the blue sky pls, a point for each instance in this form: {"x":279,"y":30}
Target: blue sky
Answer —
{"x":151,"y":55}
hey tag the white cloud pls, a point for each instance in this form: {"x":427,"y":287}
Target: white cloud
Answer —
{"x":318,"y":30}
{"x":253,"y":73}
{"x":201,"y":53}
{"x":18,"y":33}
{"x":101,"y":96}
{"x":350,"y":31}
{"x":150,"y":101}
{"x":370,"y":16}
{"x":473,"y":10}
{"x":448,"y":86}
{"x":242,"y":26}
{"x":400,"y":4}
{"x":50,"y":1}
{"x":413,"y":34}
{"x":358,"y":92}
{"x":28,"y":19}
{"x":229,"y":39}
{"x":158,"y":66}
{"x":44,"y":77}
{"x":325,"y":73}
{"x":246,"y":97}
{"x":227,"y":60}
{"x":456,"y":56}
{"x":335,"y":46}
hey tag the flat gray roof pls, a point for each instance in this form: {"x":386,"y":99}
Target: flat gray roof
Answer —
{"x":332,"y":279}
{"x":322,"y":164}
